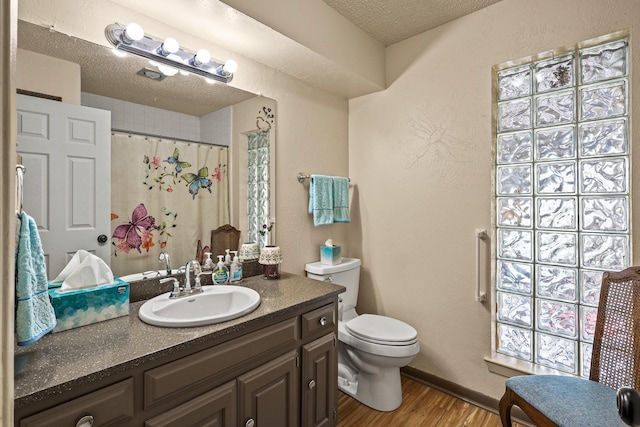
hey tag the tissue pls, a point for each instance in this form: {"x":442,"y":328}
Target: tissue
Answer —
{"x":85,"y":270}
{"x":330,"y":254}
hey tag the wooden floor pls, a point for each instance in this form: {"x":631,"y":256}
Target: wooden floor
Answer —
{"x":421,"y":406}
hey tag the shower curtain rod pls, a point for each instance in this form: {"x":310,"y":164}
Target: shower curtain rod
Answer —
{"x":171,"y":138}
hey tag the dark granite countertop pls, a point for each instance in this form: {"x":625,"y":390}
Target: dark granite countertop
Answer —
{"x":59,"y":361}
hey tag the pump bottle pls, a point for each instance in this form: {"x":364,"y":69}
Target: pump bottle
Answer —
{"x":235,"y":271}
{"x":220,"y":273}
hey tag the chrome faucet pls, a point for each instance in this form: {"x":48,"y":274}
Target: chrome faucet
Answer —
{"x":164,"y":257}
{"x":197,"y":271}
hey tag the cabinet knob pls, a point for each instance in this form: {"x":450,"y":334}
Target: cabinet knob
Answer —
{"x":323,"y":321}
{"x":250,"y":423}
{"x":86,"y":421}
{"x":312,"y":384}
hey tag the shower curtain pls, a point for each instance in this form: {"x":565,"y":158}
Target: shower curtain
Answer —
{"x":165,"y":196}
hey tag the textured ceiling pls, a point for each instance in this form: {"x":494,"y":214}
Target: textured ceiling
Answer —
{"x":102,"y":73}
{"x":392,"y":21}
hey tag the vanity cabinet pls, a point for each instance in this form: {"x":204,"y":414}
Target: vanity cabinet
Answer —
{"x":282,"y":373}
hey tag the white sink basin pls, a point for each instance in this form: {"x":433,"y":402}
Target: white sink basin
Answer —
{"x":215,"y":305}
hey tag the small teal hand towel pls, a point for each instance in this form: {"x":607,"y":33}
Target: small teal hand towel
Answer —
{"x":34,"y":313}
{"x":321,"y":199}
{"x":341,"y":199}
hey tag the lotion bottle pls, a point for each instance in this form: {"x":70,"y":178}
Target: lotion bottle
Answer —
{"x":227,"y":258}
{"x":235,"y":272}
{"x":221,"y":273}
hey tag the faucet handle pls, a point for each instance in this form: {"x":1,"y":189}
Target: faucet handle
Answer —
{"x":175,"y":292}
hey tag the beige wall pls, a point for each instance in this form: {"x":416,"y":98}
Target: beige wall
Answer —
{"x":49,"y":76}
{"x":421,"y":155}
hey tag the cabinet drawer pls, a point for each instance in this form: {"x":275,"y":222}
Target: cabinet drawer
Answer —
{"x":107,"y":406}
{"x":197,"y":372}
{"x":212,"y":409}
{"x":319,"y":321}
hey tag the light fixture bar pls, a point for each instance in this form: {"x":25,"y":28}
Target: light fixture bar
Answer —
{"x":152,"y":49}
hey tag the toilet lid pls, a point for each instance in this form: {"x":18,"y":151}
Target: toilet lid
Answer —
{"x":381,"y":330}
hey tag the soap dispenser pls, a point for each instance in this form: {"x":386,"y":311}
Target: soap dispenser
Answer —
{"x":227,"y":258}
{"x":221,"y":272}
{"x":235,"y":272}
{"x":208,"y":263}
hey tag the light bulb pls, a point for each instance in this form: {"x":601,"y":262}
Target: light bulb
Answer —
{"x":202,"y":57}
{"x":133,"y":32}
{"x":167,"y":70}
{"x":170,"y":45}
{"x":230,"y":66}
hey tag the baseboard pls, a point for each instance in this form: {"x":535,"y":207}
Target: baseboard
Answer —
{"x":482,"y":400}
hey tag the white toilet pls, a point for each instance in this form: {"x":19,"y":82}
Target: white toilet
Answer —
{"x":371,"y":348}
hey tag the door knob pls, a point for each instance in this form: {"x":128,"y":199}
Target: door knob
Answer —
{"x":102,"y":238}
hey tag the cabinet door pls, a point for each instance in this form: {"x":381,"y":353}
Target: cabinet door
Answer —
{"x":269,"y":394}
{"x":319,"y":382}
{"x":216,"y":408}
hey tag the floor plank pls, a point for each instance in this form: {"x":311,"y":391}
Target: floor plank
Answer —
{"x":421,"y":406}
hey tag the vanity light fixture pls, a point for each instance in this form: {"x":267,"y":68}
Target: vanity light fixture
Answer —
{"x":167,"y":54}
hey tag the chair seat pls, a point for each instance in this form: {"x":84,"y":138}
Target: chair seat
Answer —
{"x":569,"y":401}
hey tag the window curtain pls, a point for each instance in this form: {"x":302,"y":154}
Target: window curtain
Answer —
{"x":166,"y":195}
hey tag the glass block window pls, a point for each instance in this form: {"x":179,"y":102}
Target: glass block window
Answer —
{"x":561,"y":200}
{"x":258,"y":185}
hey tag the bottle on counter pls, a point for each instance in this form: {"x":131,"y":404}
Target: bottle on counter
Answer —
{"x":220,"y":273}
{"x":208,"y":263}
{"x":235,"y":272}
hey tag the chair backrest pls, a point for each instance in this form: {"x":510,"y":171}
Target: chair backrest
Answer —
{"x":615,"y":360}
{"x":224,"y":237}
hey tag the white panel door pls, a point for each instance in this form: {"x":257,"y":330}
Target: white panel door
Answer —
{"x":66,"y":150}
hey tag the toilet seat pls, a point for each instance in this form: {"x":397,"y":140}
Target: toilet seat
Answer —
{"x":381,"y":330}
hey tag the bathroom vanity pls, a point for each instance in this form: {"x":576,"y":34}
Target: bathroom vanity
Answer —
{"x":276,"y":366}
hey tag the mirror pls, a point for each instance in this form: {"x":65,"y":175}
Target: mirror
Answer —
{"x":102,"y":73}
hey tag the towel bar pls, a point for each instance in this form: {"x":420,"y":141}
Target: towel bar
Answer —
{"x":303,"y":176}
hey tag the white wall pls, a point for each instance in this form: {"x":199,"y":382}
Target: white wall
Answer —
{"x":420,"y":153}
{"x":144,"y":119}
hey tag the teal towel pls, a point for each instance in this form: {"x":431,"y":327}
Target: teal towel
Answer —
{"x":321,"y":199}
{"x":329,"y":199}
{"x":34,"y":313}
{"x":341,"y":199}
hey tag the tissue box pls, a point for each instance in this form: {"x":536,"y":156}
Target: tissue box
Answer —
{"x":86,"y":306}
{"x":330,"y":255}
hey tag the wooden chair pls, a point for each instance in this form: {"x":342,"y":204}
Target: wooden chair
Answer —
{"x":224,"y":237}
{"x":565,"y":401}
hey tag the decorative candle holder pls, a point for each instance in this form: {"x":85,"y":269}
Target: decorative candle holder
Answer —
{"x":249,"y":251}
{"x":271,"y":258}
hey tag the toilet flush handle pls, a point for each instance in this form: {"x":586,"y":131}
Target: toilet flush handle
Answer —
{"x":329,"y":279}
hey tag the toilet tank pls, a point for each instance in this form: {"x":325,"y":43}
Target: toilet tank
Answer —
{"x":346,"y":274}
